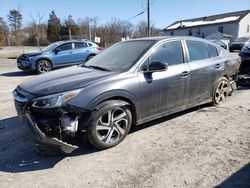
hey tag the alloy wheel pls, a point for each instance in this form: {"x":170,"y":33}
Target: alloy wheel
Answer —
{"x":112,"y":125}
{"x":222,"y":91}
{"x":44,"y":66}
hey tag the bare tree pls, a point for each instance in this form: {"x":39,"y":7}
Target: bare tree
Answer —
{"x":4,"y":30}
{"x":36,"y":24}
{"x":83,"y":28}
{"x":141,"y":30}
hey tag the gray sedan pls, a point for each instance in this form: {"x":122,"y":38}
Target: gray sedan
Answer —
{"x":127,"y":84}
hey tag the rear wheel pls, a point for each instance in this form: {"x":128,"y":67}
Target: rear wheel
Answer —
{"x":43,"y":66}
{"x":221,"y":91}
{"x":90,"y":57}
{"x":110,"y":124}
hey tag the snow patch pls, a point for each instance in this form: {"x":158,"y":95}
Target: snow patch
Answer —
{"x":196,"y":23}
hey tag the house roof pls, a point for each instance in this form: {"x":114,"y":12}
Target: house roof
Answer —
{"x":208,"y":20}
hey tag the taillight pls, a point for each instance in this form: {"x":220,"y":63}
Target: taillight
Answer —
{"x":99,"y":48}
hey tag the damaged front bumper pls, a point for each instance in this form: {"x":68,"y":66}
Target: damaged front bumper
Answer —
{"x":44,"y":142}
{"x":54,"y":130}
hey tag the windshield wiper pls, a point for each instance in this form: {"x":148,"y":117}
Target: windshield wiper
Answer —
{"x":96,"y":67}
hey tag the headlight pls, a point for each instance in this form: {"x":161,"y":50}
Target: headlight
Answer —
{"x":55,"y":100}
{"x":30,"y":58}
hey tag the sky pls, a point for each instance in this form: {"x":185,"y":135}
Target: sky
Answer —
{"x":163,"y":12}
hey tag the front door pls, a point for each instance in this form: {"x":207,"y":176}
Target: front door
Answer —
{"x":164,"y":92}
{"x":63,"y":56}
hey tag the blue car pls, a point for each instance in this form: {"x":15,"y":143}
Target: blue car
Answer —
{"x":58,"y":54}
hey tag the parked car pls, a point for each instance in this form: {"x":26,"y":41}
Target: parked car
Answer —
{"x":128,"y":84}
{"x":220,"y":43}
{"x":58,"y":54}
{"x":238,"y":44}
{"x":243,"y":77}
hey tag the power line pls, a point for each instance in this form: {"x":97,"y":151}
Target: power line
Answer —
{"x":137,"y":15}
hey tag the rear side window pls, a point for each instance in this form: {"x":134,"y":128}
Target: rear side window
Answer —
{"x":212,"y":50}
{"x":90,"y":44}
{"x":170,"y":52}
{"x":197,"y":50}
{"x":64,"y":47}
{"x":79,"y":45}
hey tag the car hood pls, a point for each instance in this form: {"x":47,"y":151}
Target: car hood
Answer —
{"x":63,"y":80}
{"x":237,"y":43}
{"x":30,"y":54}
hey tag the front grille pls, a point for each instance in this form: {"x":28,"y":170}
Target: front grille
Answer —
{"x":22,"y":58}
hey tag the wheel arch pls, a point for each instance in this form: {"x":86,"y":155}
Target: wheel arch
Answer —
{"x":91,"y":54}
{"x":130,"y":105}
{"x":116,"y":95}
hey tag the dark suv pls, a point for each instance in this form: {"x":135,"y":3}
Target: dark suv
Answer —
{"x":238,"y":44}
{"x":127,"y":84}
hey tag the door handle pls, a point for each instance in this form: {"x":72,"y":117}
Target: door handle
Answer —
{"x":184,"y":73}
{"x":217,"y":66}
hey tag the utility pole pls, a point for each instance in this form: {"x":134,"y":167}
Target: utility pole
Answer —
{"x":70,"y":37}
{"x":90,"y":20}
{"x":148,"y":18}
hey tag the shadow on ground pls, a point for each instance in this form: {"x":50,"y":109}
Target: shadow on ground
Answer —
{"x":18,"y":153}
{"x":17,"y":74}
{"x":240,"y":179}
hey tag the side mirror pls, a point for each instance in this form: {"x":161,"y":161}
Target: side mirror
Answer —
{"x":57,"y":50}
{"x":157,"y":66}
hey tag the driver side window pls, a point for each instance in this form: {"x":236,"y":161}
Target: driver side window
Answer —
{"x":169,"y":52}
{"x":65,"y":47}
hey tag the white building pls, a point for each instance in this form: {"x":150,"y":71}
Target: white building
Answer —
{"x":234,"y":25}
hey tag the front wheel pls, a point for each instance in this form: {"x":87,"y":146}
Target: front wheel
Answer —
{"x":222,"y":89}
{"x":110,"y":124}
{"x":43,"y":66}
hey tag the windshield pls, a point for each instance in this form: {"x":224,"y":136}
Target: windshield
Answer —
{"x":120,"y":57}
{"x":50,"y":47}
{"x":242,"y":39}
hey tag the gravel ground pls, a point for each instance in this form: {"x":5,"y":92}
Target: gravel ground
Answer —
{"x":202,"y":147}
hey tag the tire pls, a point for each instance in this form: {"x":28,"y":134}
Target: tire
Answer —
{"x":230,"y":50}
{"x":43,"y":66}
{"x":109,"y":124}
{"x":90,"y":57}
{"x":221,"y":91}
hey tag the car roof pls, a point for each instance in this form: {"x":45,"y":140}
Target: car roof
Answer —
{"x":74,"y":40}
{"x":159,"y":38}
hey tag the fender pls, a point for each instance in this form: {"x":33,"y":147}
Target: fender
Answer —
{"x":114,"y":94}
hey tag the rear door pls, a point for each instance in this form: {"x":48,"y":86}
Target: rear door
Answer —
{"x":80,"y":52}
{"x":205,"y":66}
{"x":64,"y":55}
